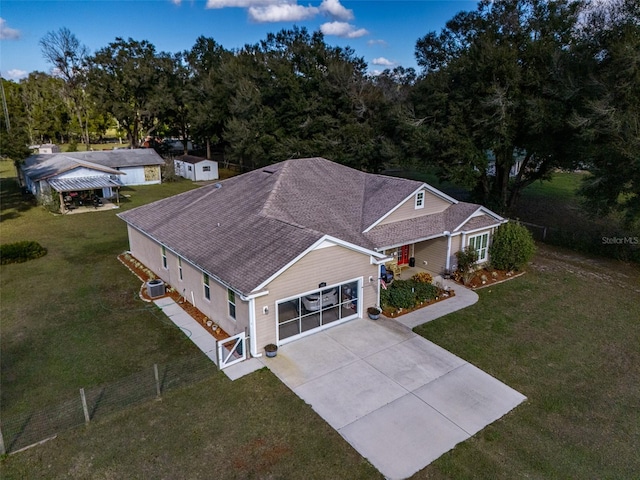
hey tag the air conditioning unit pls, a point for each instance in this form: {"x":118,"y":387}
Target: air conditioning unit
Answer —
{"x":155,"y":288}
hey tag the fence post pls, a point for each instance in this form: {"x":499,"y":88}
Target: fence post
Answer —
{"x":84,"y":405}
{"x":2,"y":449}
{"x":155,"y":372}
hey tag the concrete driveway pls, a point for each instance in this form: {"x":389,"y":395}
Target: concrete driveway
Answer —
{"x":398,"y":399}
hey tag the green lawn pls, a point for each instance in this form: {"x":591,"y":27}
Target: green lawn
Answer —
{"x":71,"y":319}
{"x":566,"y":335}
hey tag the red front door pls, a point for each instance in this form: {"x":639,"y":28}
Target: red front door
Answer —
{"x":403,"y":255}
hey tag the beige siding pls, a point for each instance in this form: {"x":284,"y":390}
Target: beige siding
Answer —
{"x":434,"y":252}
{"x":432,"y":204}
{"x":149,"y":253}
{"x":332,"y":265}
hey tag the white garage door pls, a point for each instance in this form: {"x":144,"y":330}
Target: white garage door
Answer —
{"x":318,"y":309}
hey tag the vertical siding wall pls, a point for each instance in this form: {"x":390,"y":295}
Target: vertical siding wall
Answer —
{"x":332,"y":265}
{"x":434,"y":252}
{"x":432,"y":204}
{"x":149,"y":253}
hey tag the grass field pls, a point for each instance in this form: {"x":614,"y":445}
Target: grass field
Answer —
{"x":566,"y":335}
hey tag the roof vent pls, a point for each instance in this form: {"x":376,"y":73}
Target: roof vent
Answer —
{"x":268,"y":171}
{"x":218,"y":185}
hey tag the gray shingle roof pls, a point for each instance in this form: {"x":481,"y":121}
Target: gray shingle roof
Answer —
{"x":246,"y":228}
{"x":39,"y":167}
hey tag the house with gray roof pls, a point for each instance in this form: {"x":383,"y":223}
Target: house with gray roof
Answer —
{"x":296,"y":247}
{"x":94,"y":173}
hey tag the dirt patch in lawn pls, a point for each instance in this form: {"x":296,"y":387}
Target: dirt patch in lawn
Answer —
{"x":612,"y":272}
{"x":144,"y":274}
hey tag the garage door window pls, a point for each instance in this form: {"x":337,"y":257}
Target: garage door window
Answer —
{"x":317,"y":309}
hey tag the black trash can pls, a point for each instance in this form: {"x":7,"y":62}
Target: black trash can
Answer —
{"x":412,"y":261}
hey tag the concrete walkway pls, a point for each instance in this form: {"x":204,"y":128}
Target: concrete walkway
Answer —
{"x":463,"y":298}
{"x":203,"y":339}
{"x":398,"y":399}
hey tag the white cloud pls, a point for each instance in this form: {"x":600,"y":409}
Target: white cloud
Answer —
{"x":383,"y":62}
{"x":242,"y":3}
{"x":16,"y":74}
{"x":342,"y":29}
{"x":372,"y":43}
{"x":285,"y":12}
{"x":7,"y":33}
{"x":176,"y":2}
{"x":334,"y":9}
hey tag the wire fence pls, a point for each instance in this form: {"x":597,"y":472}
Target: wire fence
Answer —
{"x":22,"y":431}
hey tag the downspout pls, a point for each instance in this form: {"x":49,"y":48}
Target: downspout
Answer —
{"x":447,"y":265}
{"x":252,"y":329}
{"x":379,"y":284}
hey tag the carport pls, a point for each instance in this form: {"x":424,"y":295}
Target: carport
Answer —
{"x":398,"y":399}
{"x":80,"y":187}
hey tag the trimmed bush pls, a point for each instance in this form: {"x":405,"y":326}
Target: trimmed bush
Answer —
{"x":467,"y":259}
{"x":512,"y":247}
{"x":21,"y":252}
{"x":422,"y":277}
{"x":407,"y":294}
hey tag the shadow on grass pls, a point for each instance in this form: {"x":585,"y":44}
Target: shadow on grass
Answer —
{"x":13,"y":201}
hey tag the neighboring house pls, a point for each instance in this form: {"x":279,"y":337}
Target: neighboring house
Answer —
{"x":296,"y":247}
{"x":196,"y":168}
{"x":99,"y":173}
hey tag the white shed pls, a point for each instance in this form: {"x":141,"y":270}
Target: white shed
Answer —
{"x":194,"y":168}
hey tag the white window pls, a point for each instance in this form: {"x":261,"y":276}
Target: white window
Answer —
{"x":419,"y":200}
{"x":180,"y":268}
{"x":206,"y":169}
{"x":164,"y":258}
{"x":207,"y":289}
{"x":479,"y":243}
{"x":231,"y":295}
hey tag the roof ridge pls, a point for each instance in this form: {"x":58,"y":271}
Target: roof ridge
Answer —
{"x":268,"y":203}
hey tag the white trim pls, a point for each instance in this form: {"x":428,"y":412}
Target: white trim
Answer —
{"x":419,"y":202}
{"x":447,"y":264}
{"x":358,"y":314}
{"x":413,"y":242}
{"x":478,"y":212}
{"x":486,"y":253}
{"x":253,"y":348}
{"x":480,"y":229}
{"x":424,"y":186}
{"x":313,"y":247}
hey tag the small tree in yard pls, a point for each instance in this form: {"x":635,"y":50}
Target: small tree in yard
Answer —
{"x":467,"y":259}
{"x":512,"y":247}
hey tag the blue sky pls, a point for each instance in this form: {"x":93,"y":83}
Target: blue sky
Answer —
{"x":383,"y":32}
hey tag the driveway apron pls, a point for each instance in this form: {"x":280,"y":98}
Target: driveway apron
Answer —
{"x":400,"y":400}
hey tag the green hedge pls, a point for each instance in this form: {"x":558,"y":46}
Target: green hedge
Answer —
{"x":21,"y":252}
{"x":512,"y":247}
{"x":407,"y":293}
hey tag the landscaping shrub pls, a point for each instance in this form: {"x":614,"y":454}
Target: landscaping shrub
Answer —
{"x":400,"y":296}
{"x":422,"y":277}
{"x":512,"y":247}
{"x":467,"y":259}
{"x":407,"y":293}
{"x":21,"y":252}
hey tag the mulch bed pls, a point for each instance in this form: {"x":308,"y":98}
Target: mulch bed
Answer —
{"x":140,"y":271}
{"x":486,"y":277}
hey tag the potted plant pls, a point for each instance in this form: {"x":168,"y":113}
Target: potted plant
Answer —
{"x":271,"y":350}
{"x":374,"y":313}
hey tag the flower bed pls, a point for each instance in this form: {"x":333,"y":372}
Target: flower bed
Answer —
{"x":144,"y":274}
{"x":485,"y":277}
{"x":404,"y":296}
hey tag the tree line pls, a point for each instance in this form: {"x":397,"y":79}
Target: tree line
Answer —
{"x":505,"y":94}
